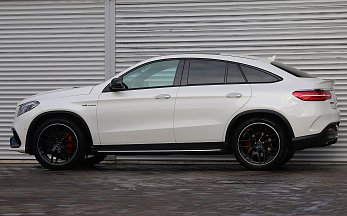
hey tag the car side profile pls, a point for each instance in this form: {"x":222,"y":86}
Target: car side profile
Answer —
{"x":260,"y":110}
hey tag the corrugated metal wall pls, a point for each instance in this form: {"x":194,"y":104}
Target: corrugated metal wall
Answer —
{"x":46,"y":45}
{"x":310,"y":35}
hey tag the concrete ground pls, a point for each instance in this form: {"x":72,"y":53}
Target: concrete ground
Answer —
{"x":172,"y":188}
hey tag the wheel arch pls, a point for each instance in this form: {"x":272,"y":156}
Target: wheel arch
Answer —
{"x":55,"y":114}
{"x":270,"y":114}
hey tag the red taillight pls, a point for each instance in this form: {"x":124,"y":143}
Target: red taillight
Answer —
{"x":313,"y":95}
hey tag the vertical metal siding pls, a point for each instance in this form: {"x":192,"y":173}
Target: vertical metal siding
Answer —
{"x":310,"y":35}
{"x":46,"y":45}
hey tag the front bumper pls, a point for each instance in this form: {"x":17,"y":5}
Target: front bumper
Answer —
{"x":328,"y":136}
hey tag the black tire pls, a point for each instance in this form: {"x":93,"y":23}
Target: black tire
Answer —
{"x":259,"y":144}
{"x":91,"y":160}
{"x":59,"y":144}
{"x":289,"y":154}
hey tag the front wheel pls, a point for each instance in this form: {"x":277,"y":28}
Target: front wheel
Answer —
{"x":289,"y":154}
{"x":259,"y":144}
{"x":59,"y":144}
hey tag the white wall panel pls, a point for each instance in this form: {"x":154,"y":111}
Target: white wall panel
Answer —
{"x":310,"y":35}
{"x":46,"y":45}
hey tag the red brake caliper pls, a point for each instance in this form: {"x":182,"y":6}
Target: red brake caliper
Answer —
{"x":249,"y":144}
{"x":69,"y":139}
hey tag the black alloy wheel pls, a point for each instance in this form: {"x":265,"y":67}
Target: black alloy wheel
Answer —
{"x":59,"y":144}
{"x":259,"y":144}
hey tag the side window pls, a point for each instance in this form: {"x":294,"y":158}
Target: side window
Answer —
{"x":256,"y":75}
{"x":203,"y":71}
{"x":155,"y":74}
{"x":234,"y":74}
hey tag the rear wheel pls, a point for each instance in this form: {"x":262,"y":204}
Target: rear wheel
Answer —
{"x":259,"y":144}
{"x":59,"y":144}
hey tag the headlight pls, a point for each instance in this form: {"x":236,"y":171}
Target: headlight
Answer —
{"x":23,"y":108}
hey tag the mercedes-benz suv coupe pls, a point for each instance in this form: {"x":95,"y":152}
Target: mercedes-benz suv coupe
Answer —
{"x":260,"y":110}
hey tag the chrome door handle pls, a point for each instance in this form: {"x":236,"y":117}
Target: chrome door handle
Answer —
{"x":234,"y":95}
{"x":162,"y":96}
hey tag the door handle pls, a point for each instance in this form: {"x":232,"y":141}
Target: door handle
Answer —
{"x":234,"y":95}
{"x":162,"y":96}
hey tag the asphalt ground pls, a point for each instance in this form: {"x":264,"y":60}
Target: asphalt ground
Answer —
{"x":173,"y":188}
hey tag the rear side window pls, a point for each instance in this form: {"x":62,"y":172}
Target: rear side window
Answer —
{"x":234,"y":74}
{"x":254,"y":75}
{"x":203,"y":71}
{"x":293,"y":71}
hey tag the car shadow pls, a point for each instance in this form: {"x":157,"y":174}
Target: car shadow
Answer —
{"x":201,"y":167}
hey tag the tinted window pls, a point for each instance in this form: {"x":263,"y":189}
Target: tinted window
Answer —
{"x":152,"y":75}
{"x":257,"y":75}
{"x":234,"y":74}
{"x":206,"y":71}
{"x":294,"y":71}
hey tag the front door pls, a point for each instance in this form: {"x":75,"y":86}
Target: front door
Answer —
{"x":142,"y":113}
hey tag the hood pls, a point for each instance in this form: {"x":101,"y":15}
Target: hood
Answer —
{"x":66,"y":92}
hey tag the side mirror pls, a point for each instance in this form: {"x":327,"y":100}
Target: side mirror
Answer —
{"x":117,"y":85}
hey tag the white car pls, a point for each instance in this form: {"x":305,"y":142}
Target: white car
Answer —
{"x":260,"y":110}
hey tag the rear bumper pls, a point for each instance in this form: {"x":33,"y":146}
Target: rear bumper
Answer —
{"x":328,"y":136}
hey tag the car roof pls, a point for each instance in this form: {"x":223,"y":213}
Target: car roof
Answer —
{"x":221,"y":56}
{"x":249,"y":60}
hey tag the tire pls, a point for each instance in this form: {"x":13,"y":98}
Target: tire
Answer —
{"x":59,"y":144}
{"x":289,"y":154}
{"x":91,"y":160}
{"x":259,"y":144}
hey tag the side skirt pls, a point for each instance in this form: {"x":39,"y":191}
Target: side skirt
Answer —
{"x":163,"y":149}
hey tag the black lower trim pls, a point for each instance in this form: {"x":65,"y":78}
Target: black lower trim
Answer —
{"x":328,"y":136}
{"x":14,"y":140}
{"x":164,"y":149}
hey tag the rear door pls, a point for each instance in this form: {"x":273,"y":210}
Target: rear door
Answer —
{"x":211,"y":92}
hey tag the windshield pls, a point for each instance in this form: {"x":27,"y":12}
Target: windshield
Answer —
{"x":292,"y":70}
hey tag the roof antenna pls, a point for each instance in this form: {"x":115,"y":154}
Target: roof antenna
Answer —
{"x":273,"y":58}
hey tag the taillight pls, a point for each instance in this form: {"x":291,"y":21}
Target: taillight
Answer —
{"x":313,"y":95}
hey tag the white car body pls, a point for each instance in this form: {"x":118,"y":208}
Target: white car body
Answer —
{"x":183,"y":114}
